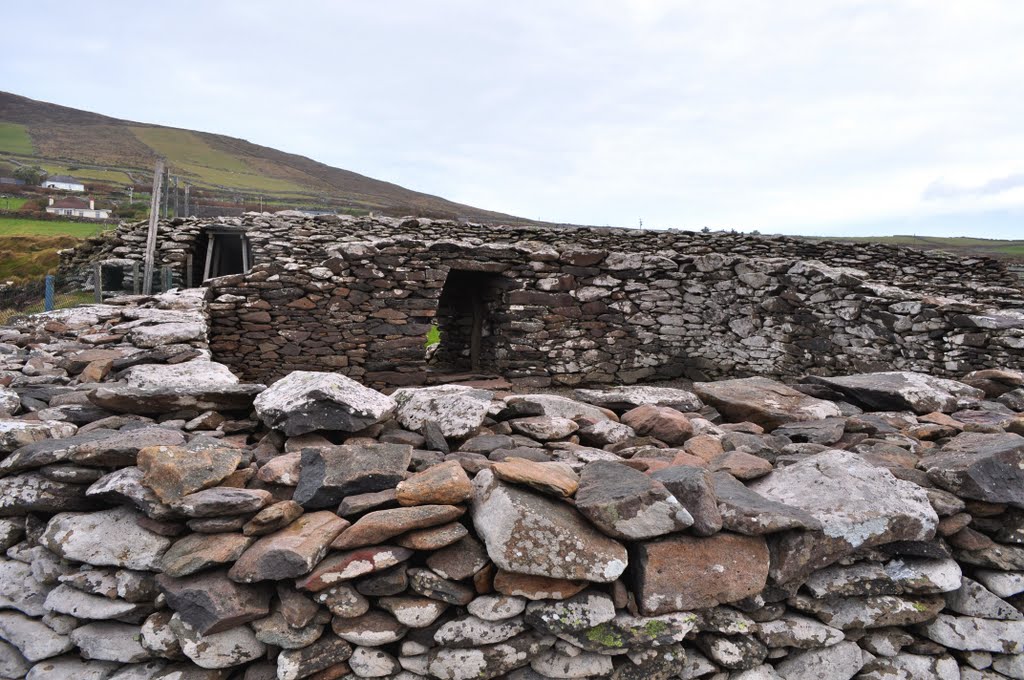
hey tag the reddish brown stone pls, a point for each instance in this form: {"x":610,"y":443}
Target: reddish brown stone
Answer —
{"x":290,"y":552}
{"x":661,"y":422}
{"x":377,"y":527}
{"x":741,"y":465}
{"x":443,"y":484}
{"x":353,"y":564}
{"x":536,"y":587}
{"x":683,"y":573}
{"x":555,"y":479}
{"x":176,"y":471}
{"x":433,"y":538}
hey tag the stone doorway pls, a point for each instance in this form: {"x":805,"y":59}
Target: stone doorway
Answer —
{"x":220,"y":253}
{"x":467,"y":320}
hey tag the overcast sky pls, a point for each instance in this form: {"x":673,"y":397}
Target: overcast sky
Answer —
{"x":794,"y":116}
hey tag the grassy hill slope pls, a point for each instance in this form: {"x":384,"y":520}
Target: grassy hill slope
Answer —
{"x":98,"y":148}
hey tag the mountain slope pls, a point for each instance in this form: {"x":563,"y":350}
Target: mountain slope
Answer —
{"x":98,"y":148}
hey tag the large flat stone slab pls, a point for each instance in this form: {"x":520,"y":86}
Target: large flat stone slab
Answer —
{"x":307,"y":401}
{"x":985,"y":467}
{"x":457,"y":410}
{"x":684,"y":573}
{"x":160,"y":400}
{"x":903,"y":391}
{"x":859,"y":506}
{"x":531,"y":534}
{"x":766,"y":402}
{"x":106,"y":538}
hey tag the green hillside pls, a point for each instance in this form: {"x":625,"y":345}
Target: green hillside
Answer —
{"x":98,"y":149}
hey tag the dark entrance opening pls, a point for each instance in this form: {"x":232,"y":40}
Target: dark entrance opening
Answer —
{"x":467,"y":319}
{"x":113,"y":278}
{"x":222,"y":253}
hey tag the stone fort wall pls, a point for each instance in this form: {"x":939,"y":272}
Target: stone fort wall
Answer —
{"x":575,"y":306}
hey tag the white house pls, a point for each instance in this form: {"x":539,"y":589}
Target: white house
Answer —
{"x":64,"y":183}
{"x":77,"y":207}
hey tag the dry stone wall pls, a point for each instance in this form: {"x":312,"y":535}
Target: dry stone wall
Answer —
{"x":161,"y":519}
{"x":570,"y":307}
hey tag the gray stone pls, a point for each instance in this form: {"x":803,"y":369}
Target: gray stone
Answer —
{"x":34,"y":639}
{"x":106,"y":538}
{"x":16,"y":433}
{"x":456,"y":410}
{"x":870,"y":612}
{"x":973,"y":599}
{"x":71,"y":667}
{"x":496,"y":607}
{"x":985,"y":467}
{"x":33,"y":492}
{"x":488,"y":661}
{"x":838,"y":662}
{"x":210,"y":602}
{"x":110,"y":641}
{"x":119,"y":398}
{"x":329,"y":473}
{"x":859,"y":506}
{"x":67,"y":600}
{"x":766,"y":402}
{"x":970,"y":633}
{"x":903,"y":390}
{"x":694,"y":488}
{"x":628,"y":397}
{"x":576,"y":614}
{"x":470,"y":631}
{"x":793,"y":630}
{"x":532,"y":534}
{"x":551,"y":664}
{"x":326,"y":652}
{"x":747,"y":512}
{"x":627,"y":504}
{"x":20,"y":590}
{"x":306,"y":401}
{"x":372,"y":663}
{"x":232,"y":647}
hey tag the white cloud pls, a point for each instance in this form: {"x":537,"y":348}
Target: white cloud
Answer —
{"x":798,"y":115}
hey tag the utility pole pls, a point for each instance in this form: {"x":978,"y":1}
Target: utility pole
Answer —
{"x":186,"y":201}
{"x":154,"y":215}
{"x":177,"y":213}
{"x":167,"y":190}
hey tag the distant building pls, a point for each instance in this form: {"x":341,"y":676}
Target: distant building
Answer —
{"x":12,"y":180}
{"x":77,"y":207}
{"x":64,"y":183}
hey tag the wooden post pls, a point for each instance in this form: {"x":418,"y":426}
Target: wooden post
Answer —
{"x":475,"y":337}
{"x":136,"y":284}
{"x":188,"y":271}
{"x":97,"y":277}
{"x":154,"y":216}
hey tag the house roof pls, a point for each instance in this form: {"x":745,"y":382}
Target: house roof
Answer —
{"x":64,"y":179}
{"x":76,"y":203}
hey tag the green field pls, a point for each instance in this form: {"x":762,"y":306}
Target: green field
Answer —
{"x":9,"y":203}
{"x":189,"y":153}
{"x":16,"y":226}
{"x":14,"y":139}
{"x":86,"y":174}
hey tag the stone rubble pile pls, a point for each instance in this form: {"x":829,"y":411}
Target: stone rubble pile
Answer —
{"x":160,"y":519}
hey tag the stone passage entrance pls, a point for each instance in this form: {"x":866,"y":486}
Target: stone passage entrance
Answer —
{"x":467,"y":321}
{"x":220,"y":253}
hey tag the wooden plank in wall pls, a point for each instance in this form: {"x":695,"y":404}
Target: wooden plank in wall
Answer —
{"x":154,"y":216}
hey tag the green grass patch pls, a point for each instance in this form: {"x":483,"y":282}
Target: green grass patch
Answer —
{"x":17,"y":226}
{"x":87,"y":174}
{"x":9,"y":203}
{"x":189,"y":153}
{"x":14,"y":139}
{"x":433,"y":336}
{"x":26,"y":258}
